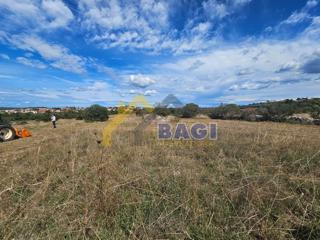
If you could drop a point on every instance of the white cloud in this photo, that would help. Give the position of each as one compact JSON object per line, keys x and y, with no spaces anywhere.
{"x":141,"y":81}
{"x":212,"y":69}
{"x":313,"y":31}
{"x":145,"y":93}
{"x":302,"y":15}
{"x":145,"y":25}
{"x":296,"y":17}
{"x":133,"y":91}
{"x":215,"y":9}
{"x":7,"y":76}
{"x":4,"y":56}
{"x":86,"y":92}
{"x":130,"y":25}
{"x":237,"y":68}
{"x":245,"y":71}
{"x":110,"y":72}
{"x":94,"y":86}
{"x":311,"y":3}
{"x":289,"y":66}
{"x":58,"y":56}
{"x":36,"y":15}
{"x":218,"y":10}
{"x":150,"y":92}
{"x":57,"y":11}
{"x":312,"y":64}
{"x":92,"y":91}
{"x":31,"y":62}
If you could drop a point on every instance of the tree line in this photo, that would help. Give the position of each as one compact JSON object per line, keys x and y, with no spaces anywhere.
{"x":92,"y":113}
{"x":278,"y":111}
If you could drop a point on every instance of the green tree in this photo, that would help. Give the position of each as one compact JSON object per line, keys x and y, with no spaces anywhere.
{"x":162,"y":111}
{"x":264,"y":112}
{"x":190,"y":110}
{"x":229,"y":111}
{"x":96,"y":113}
{"x":232,"y":111}
{"x":316,"y":113}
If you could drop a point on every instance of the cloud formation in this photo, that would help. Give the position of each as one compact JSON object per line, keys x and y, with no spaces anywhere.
{"x":141,"y":81}
{"x":46,"y":14}
{"x":31,"y":62}
{"x":205,"y":51}
{"x":4,"y":56}
{"x":57,"y":56}
{"x":312,"y":66}
{"x":145,"y":24}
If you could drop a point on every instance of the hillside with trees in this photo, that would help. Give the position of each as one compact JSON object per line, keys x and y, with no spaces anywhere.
{"x":301,"y":110}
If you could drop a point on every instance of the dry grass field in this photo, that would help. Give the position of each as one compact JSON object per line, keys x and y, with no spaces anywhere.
{"x":257,"y":181}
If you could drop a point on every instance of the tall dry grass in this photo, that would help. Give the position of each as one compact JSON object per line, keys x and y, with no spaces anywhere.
{"x":258,"y":181}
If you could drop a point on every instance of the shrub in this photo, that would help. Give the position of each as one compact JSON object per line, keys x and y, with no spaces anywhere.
{"x":3,"y":119}
{"x":230,"y":111}
{"x":316,"y":111}
{"x":143,"y":111}
{"x":190,"y":110}
{"x":315,"y":115}
{"x":161,"y":111}
{"x":96,"y":113}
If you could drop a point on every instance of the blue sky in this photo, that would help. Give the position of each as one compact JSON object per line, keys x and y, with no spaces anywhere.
{"x":68,"y":52}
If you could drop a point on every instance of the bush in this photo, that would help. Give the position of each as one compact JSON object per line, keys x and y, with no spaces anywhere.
{"x":161,"y":111}
{"x":70,"y":114}
{"x":2,"y":119}
{"x":230,"y":111}
{"x":143,"y":111}
{"x":315,"y":115}
{"x":190,"y":110}
{"x":96,"y":113}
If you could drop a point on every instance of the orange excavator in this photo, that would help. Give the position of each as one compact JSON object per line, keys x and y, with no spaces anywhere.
{"x":8,"y":133}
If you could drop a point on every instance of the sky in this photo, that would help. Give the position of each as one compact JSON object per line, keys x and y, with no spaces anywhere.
{"x":82,"y":52}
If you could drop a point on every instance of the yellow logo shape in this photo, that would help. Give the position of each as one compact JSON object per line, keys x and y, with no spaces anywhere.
{"x":123,"y":114}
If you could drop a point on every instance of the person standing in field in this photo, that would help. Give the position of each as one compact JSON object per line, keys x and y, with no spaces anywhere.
{"x":53,"y":120}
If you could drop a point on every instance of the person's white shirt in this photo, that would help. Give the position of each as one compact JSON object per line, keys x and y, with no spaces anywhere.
{"x":53,"y":118}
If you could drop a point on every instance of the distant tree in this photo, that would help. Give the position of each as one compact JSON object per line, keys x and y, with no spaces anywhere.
{"x":125,"y":109}
{"x":316,"y":113}
{"x":216,"y":113}
{"x":190,"y":110}
{"x":162,"y":111}
{"x":96,"y":113}
{"x":45,"y":117}
{"x":264,"y":112}
{"x":139,"y":112}
{"x":4,"y":118}
{"x":232,"y":111}
{"x":248,"y":114}
{"x":70,"y":114}
{"x":229,"y":111}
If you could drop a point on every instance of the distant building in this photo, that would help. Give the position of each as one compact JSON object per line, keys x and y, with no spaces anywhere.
{"x":10,"y":111}
{"x":56,"y":110}
{"x":28,"y":110}
{"x":42,"y":110}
